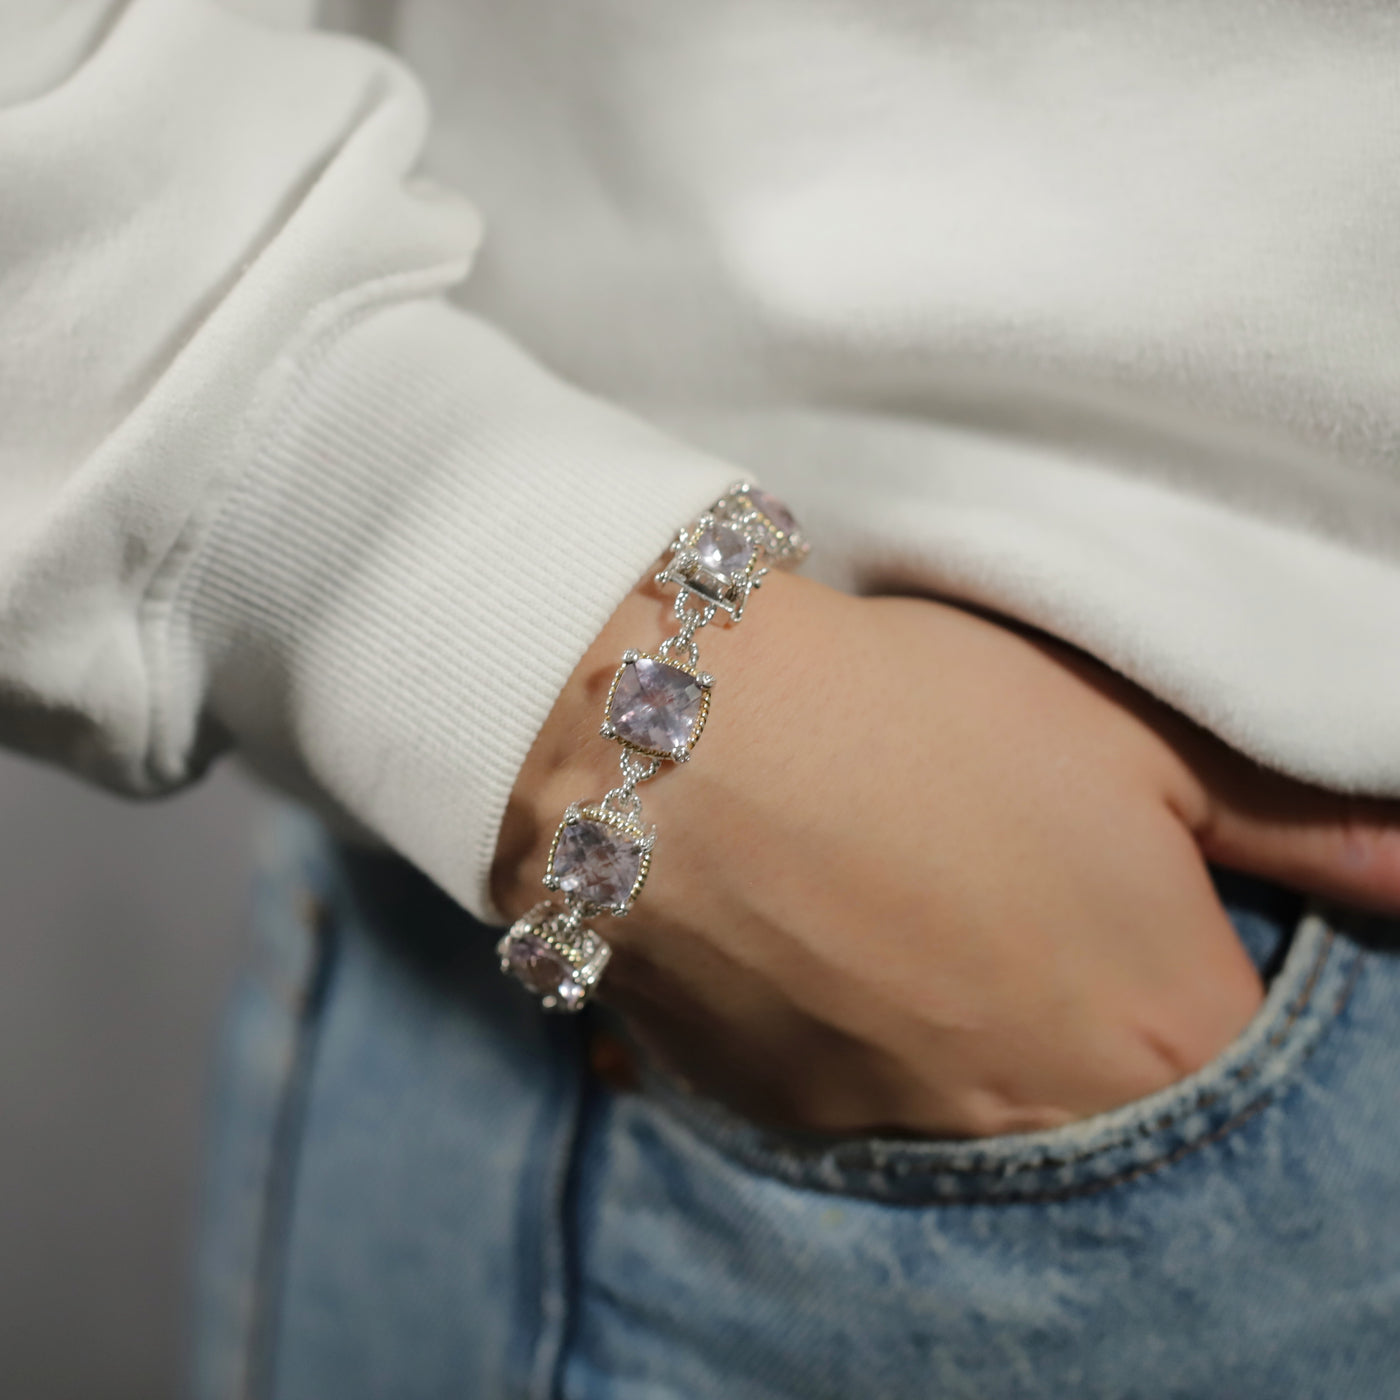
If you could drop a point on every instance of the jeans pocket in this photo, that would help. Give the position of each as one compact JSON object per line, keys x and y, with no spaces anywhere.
{"x":1309,"y":988}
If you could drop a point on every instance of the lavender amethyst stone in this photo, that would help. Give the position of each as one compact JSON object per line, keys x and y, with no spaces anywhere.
{"x":724,"y":551}
{"x":779,"y":516}
{"x":655,"y":705}
{"x":597,"y":862}
{"x":541,"y":969}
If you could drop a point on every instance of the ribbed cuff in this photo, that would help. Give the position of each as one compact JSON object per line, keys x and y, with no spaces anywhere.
{"x":390,"y":601}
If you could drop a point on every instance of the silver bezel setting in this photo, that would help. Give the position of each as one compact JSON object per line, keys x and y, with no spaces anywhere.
{"x":702,"y":678}
{"x":687,"y":572}
{"x":574,"y":944}
{"x":786,"y":548}
{"x":619,"y":822}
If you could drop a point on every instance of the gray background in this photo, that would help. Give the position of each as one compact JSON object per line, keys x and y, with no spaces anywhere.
{"x":121,"y":926}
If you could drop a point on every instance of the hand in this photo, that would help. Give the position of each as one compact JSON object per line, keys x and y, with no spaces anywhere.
{"x":927,"y":873}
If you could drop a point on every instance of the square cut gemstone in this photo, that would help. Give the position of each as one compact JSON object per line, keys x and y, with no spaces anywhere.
{"x":656,"y":705}
{"x":543,"y":970}
{"x":779,"y":516}
{"x":596,"y":861}
{"x":724,"y":551}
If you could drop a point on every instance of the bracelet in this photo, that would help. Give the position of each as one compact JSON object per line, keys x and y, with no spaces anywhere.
{"x":656,"y":710}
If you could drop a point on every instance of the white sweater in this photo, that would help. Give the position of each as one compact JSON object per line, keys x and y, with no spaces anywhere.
{"x":334,"y":430}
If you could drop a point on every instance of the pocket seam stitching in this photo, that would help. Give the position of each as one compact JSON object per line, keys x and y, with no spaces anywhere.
{"x":1205,"y":1097}
{"x":1202,"y":1099}
{"x":1182,"y":1150}
{"x":790,"y":1170}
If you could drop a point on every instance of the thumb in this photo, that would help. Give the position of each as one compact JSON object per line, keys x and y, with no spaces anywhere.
{"x":1259,"y":821}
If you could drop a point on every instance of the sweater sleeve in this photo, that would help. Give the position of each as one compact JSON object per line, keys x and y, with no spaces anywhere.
{"x":261,"y":484}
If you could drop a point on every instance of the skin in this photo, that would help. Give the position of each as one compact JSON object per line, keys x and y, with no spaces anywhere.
{"x":979,"y":906}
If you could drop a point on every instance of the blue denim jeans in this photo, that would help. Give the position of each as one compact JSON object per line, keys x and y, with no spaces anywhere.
{"x":418,"y":1187}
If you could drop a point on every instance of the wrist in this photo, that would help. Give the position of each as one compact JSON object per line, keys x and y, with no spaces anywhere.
{"x":655,"y":712}
{"x":569,"y":760}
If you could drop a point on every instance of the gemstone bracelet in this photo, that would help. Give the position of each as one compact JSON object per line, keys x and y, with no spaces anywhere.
{"x":656,"y":710}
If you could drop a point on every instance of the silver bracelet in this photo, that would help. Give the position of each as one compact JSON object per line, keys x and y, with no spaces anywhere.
{"x":656,"y":710}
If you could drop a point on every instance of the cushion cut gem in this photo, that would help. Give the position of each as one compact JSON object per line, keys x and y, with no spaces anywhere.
{"x":655,"y":705}
{"x":779,"y":516}
{"x":597,"y":862}
{"x":542,"y":970}
{"x":724,"y":551}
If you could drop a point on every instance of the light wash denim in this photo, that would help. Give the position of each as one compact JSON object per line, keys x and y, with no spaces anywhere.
{"x":419,"y":1189}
